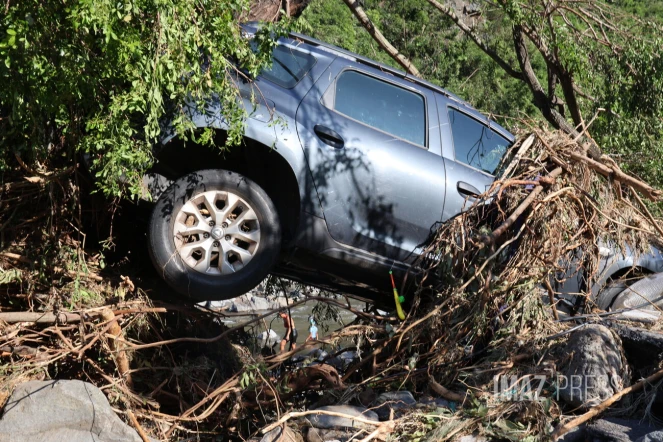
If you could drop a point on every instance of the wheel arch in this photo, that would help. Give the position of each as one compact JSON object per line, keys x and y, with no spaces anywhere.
{"x":271,"y":167}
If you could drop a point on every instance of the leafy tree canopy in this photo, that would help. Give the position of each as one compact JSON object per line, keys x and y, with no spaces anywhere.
{"x":586,"y":58}
{"x":97,"y":76}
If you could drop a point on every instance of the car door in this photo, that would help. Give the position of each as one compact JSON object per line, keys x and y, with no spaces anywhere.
{"x":473,"y":148}
{"x":373,"y":148}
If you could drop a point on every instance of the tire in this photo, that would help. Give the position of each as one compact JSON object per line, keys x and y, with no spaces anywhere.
{"x":205,"y":261}
{"x":609,"y":293}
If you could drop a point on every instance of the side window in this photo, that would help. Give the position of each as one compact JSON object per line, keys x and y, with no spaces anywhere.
{"x":381,"y":105}
{"x":288,"y":67}
{"x":476,"y":144}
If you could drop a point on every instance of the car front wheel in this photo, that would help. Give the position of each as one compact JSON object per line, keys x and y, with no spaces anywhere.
{"x":214,"y":235}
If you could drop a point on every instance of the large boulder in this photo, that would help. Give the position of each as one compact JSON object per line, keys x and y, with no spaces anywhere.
{"x":54,"y":411}
{"x":594,"y":369}
{"x":326,"y":421}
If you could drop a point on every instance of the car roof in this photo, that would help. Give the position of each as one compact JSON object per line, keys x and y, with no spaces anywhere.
{"x":297,"y":38}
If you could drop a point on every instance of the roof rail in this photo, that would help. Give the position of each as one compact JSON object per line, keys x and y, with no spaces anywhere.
{"x":374,"y":64}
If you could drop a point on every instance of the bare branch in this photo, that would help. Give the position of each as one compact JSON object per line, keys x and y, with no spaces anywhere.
{"x":380,"y":39}
{"x":446,"y":10}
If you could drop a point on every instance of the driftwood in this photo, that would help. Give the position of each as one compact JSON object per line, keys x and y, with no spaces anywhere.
{"x":293,"y":414}
{"x":116,"y":345}
{"x":39,"y":318}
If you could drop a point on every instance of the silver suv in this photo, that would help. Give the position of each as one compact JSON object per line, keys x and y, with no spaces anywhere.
{"x":346,"y":166}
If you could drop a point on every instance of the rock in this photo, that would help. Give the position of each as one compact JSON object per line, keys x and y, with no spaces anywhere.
{"x":435,"y":402}
{"x":268,"y":340}
{"x":392,"y":400}
{"x":343,"y":360}
{"x":282,"y":434}
{"x":54,"y":411}
{"x":595,"y":370}
{"x":641,"y":345}
{"x":325,"y":421}
{"x":320,"y":435}
{"x":367,"y":397}
{"x":249,"y":302}
{"x":613,"y":430}
{"x":471,"y":438}
{"x":616,"y":430}
{"x":655,"y":436}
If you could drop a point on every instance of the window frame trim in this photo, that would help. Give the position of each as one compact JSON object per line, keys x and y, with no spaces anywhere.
{"x":332,"y":86}
{"x":453,"y":144}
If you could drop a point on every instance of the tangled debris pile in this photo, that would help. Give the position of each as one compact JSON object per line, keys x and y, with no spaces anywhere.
{"x":482,"y":313}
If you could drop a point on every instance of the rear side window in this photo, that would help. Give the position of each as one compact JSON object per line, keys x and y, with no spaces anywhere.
{"x":476,"y":144}
{"x":288,"y":67}
{"x":381,"y":105}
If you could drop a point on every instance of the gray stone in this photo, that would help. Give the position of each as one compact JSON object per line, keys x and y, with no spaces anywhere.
{"x":251,"y":302}
{"x":595,"y":370}
{"x":54,"y":411}
{"x":282,"y":434}
{"x":321,"y":435}
{"x":614,"y":430}
{"x":268,"y":340}
{"x":643,"y":347}
{"x":617,"y":430}
{"x":392,"y":400}
{"x":328,"y":422}
{"x":471,"y":438}
{"x":655,"y":436}
{"x":435,"y":402}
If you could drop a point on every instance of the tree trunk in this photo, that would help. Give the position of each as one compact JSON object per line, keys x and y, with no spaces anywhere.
{"x":540,"y":98}
{"x":379,"y":38}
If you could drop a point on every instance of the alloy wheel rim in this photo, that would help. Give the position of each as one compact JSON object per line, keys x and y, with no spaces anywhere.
{"x":216,"y":233}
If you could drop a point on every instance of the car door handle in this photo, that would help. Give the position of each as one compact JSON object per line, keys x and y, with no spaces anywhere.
{"x":329,"y":137}
{"x":466,"y":189}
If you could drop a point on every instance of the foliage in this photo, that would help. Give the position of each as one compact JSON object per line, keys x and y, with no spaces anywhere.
{"x":615,"y":67}
{"x":98,"y":76}
{"x":431,"y":42}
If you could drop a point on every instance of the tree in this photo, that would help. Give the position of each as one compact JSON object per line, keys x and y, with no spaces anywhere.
{"x":579,"y":61}
{"x":98,"y":76}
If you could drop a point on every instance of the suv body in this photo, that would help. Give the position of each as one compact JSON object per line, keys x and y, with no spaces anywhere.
{"x":361,"y":160}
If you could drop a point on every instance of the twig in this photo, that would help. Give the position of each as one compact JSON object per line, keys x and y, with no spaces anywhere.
{"x":563,"y":429}
{"x":648,"y":213}
{"x":446,"y":393}
{"x":39,"y":318}
{"x":286,"y":417}
{"x":614,"y":173}
{"x":519,"y":210}
{"x":137,"y":426}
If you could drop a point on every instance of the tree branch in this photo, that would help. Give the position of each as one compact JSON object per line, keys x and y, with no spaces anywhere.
{"x":529,"y":77}
{"x":380,"y":39}
{"x":448,"y":11}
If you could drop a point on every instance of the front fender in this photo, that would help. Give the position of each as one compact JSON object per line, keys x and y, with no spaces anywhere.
{"x":264,"y":125}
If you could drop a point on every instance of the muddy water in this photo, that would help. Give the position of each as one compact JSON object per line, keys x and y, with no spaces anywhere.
{"x":300,"y":314}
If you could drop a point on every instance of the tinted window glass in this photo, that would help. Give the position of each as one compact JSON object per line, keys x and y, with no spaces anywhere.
{"x":475,"y":144}
{"x":381,"y":105}
{"x":288,"y":67}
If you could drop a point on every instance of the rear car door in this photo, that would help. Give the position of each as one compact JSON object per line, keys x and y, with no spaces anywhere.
{"x":473,"y":148}
{"x":373,"y":148}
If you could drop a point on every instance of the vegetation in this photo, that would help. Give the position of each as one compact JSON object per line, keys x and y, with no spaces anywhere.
{"x":96,"y":77}
{"x":581,"y":66}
